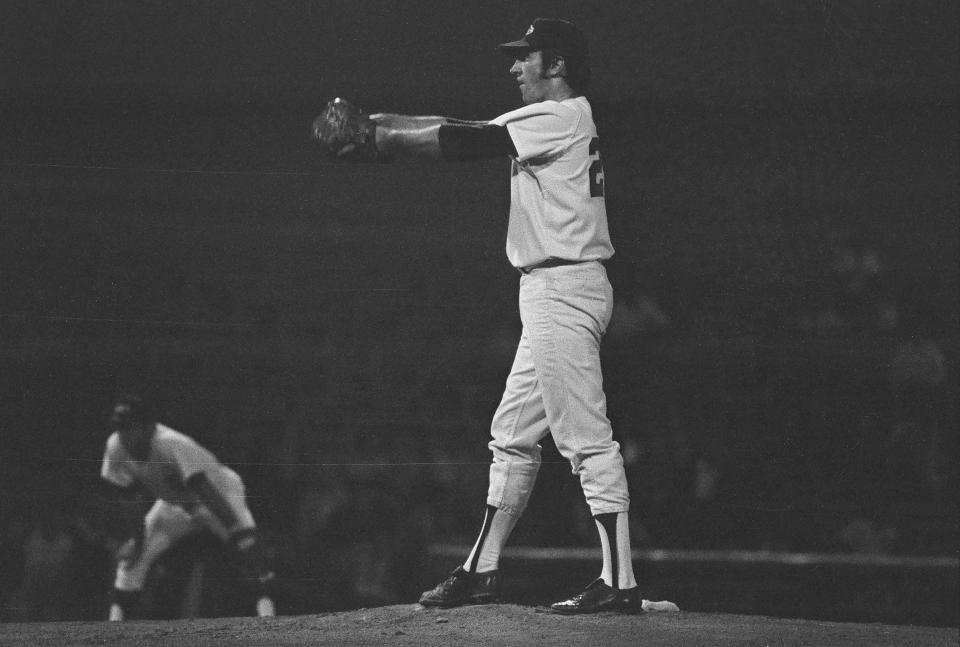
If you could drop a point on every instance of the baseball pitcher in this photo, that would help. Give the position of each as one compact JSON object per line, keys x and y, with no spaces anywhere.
{"x":557,"y":237}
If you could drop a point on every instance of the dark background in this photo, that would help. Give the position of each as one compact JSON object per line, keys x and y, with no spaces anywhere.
{"x":781,"y":368}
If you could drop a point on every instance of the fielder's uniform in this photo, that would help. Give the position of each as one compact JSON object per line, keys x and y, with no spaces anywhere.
{"x":558,"y":238}
{"x":177,"y":512}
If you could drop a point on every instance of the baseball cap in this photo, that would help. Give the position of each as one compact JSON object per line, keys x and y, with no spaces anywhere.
{"x":128,"y":410}
{"x":550,"y":33}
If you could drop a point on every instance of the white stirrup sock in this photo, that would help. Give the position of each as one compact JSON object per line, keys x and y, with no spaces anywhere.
{"x":614,"y":529}
{"x":485,"y":556}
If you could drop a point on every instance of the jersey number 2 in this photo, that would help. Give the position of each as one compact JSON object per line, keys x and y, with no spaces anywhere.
{"x":596,"y":169}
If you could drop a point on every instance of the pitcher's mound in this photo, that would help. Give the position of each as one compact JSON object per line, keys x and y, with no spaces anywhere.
{"x":497,"y":624}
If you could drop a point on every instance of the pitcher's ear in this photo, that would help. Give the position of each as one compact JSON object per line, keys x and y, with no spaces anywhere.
{"x":558,"y":67}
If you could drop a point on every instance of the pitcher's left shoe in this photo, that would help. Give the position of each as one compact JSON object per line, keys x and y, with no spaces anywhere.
{"x":599,"y":596}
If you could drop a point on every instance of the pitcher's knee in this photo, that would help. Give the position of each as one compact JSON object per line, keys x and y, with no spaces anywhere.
{"x":513,"y":452}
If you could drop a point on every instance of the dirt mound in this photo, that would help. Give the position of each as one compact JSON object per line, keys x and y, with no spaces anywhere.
{"x":503,"y":624}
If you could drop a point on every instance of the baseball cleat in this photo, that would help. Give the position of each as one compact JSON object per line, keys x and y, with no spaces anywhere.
{"x":463,"y":587}
{"x":599,"y":596}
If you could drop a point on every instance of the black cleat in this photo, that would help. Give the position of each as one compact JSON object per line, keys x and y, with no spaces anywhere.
{"x":463,"y":587}
{"x":598,"y":596}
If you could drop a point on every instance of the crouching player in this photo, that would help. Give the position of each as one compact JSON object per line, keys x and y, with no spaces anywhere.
{"x":191,"y":491}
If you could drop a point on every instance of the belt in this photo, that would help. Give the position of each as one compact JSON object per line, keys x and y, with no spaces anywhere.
{"x":550,"y":262}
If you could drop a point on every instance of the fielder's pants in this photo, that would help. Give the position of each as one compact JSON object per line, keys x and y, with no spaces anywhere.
{"x":166,"y":523}
{"x":556,"y":387}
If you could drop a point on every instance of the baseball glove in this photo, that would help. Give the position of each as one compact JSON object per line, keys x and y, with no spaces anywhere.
{"x":346,"y":132}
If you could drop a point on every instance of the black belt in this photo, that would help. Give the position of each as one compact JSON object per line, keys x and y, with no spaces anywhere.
{"x":550,"y":262}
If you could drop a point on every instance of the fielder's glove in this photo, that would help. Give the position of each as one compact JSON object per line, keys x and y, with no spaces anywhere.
{"x":345,"y":131}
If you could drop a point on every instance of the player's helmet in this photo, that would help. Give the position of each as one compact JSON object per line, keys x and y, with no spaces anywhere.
{"x":127,"y":411}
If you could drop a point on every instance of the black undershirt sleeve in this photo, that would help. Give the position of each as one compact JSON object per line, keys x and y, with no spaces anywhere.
{"x":462,"y":142}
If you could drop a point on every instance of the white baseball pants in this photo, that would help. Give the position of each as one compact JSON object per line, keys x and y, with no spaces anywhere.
{"x":165,"y":524}
{"x":556,"y":386}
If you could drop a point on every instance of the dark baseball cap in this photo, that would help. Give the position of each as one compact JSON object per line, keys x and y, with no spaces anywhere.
{"x":128,"y":410}
{"x":550,"y":33}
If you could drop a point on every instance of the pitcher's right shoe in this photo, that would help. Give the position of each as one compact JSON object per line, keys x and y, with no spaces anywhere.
{"x":463,"y":587}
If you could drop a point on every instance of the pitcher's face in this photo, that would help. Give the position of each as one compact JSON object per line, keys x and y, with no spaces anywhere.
{"x":528,"y":70}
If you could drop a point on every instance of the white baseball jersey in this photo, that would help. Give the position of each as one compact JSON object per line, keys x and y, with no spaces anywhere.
{"x":174,"y":457}
{"x":557,"y":208}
